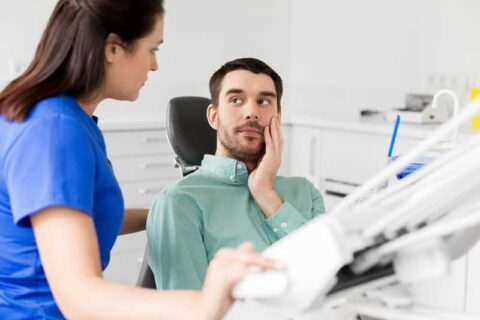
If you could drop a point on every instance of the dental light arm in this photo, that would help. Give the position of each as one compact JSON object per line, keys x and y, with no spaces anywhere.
{"x":425,"y":220}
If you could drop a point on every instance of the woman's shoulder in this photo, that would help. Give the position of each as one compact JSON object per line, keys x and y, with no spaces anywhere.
{"x":60,"y":114}
{"x":52,"y":121}
{"x":51,"y":107}
{"x":47,"y":114}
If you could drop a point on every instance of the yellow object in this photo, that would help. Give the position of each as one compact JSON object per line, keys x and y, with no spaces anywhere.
{"x":474,"y":93}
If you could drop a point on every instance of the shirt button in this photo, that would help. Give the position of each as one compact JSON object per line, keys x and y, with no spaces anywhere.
{"x":283,"y":225}
{"x":275,"y":230}
{"x":239,"y":166}
{"x":232,"y":178}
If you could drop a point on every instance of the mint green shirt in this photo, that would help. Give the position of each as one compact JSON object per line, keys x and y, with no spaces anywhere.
{"x":213,"y":208}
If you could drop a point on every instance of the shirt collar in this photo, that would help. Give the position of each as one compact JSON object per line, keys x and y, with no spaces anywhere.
{"x":79,"y":110}
{"x":229,"y":169}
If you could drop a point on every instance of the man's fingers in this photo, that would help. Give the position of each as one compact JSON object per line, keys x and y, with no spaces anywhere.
{"x":280,"y":133}
{"x":281,"y":140}
{"x":269,"y":148}
{"x":274,"y":134}
{"x":280,"y":129}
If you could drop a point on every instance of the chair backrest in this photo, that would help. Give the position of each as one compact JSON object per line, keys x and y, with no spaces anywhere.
{"x":190,"y":137}
{"x":146,"y":278}
{"x":188,"y":131}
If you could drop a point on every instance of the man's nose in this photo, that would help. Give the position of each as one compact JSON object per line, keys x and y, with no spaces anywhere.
{"x":251,"y":111}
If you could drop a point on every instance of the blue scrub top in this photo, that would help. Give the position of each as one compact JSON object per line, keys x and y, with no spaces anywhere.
{"x":56,"y":157}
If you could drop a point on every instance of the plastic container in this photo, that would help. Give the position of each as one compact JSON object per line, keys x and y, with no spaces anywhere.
{"x":474,"y":93}
{"x":413,"y":166}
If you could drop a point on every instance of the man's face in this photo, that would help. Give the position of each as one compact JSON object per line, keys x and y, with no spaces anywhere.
{"x":246,"y":104}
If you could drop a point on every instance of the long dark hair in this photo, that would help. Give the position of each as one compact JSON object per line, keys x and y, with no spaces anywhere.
{"x":70,"y":58}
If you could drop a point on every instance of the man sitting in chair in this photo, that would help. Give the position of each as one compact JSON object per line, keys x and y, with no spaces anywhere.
{"x":236,"y":194}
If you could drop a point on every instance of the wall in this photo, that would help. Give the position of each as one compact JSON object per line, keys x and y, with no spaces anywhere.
{"x":202,"y":35}
{"x":348,"y":54}
{"x":335,"y":56}
{"x":21,"y":25}
{"x":199,"y":37}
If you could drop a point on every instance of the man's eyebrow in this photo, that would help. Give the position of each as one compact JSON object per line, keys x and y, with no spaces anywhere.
{"x":160,"y":42}
{"x":234,"y":91}
{"x":268,"y":94}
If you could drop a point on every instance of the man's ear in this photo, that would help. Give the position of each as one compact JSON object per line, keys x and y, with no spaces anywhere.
{"x":212,"y":116}
{"x":113,"y":47}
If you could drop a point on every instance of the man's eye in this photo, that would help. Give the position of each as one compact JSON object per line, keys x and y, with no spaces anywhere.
{"x":263,"y":101}
{"x":236,"y":100}
{"x":154,"y":50}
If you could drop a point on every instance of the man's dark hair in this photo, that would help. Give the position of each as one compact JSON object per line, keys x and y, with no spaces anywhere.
{"x":250,"y":64}
{"x":70,"y":58}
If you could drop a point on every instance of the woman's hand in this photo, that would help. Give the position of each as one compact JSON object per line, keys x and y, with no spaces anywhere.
{"x":227,"y":268}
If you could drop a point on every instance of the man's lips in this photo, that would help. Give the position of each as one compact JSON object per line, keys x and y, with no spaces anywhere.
{"x":251,"y":132}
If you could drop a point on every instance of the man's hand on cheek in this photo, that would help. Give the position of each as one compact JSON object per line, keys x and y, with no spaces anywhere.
{"x":260,"y":181}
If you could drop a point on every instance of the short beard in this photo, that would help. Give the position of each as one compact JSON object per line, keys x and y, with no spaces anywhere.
{"x":230,"y":143}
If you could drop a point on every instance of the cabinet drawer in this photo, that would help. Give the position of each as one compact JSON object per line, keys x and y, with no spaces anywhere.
{"x":130,"y":242}
{"x":354,"y":156}
{"x":305,"y":151}
{"x":144,"y":168}
{"x":141,"y":194}
{"x":124,"y":267}
{"x":145,"y":142}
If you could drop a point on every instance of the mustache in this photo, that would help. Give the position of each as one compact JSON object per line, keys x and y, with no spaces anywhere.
{"x":250,"y":124}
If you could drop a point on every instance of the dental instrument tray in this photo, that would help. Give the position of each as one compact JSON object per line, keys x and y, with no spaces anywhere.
{"x":418,"y":109}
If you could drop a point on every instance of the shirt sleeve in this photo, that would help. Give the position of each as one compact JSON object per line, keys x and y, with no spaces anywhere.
{"x":178,"y":257}
{"x":287,"y":219}
{"x":51,"y":164}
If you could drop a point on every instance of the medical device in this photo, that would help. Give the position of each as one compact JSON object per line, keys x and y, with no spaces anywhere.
{"x":360,"y":257}
{"x":423,"y":109}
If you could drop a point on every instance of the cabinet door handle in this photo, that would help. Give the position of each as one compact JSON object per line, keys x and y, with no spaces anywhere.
{"x":149,"y":190}
{"x":153,"y":165}
{"x":152,"y":140}
{"x":313,"y":155}
{"x":336,"y":194}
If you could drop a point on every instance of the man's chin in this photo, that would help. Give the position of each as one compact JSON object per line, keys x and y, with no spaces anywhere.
{"x":245,"y":149}
{"x":250,"y":154}
{"x":252,"y":150}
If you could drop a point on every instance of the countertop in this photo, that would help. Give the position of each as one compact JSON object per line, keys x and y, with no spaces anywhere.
{"x":373,"y":124}
{"x":130,"y":124}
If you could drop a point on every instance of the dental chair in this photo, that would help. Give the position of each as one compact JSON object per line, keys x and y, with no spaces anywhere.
{"x":189,"y":133}
{"x":191,"y":137}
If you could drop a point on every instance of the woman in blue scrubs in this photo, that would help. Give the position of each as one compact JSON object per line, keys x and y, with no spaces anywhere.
{"x":61,"y":207}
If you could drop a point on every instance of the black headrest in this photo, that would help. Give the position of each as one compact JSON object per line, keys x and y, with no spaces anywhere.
{"x":188,"y":130}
